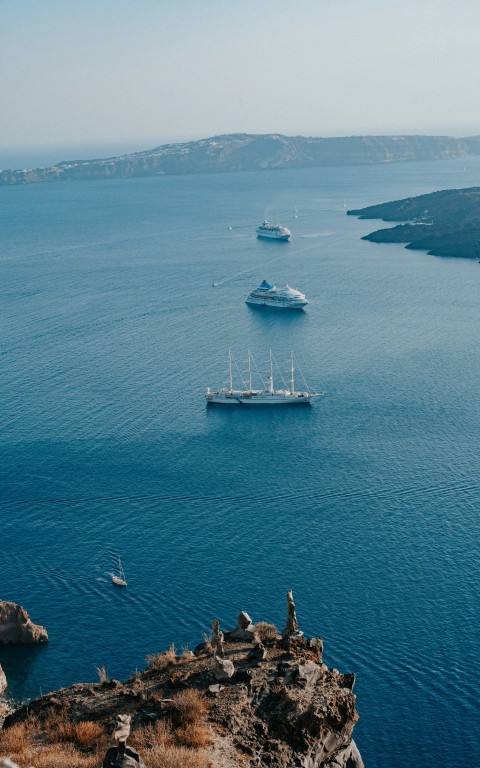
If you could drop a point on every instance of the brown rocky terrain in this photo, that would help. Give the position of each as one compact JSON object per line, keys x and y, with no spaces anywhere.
{"x":248,"y":699}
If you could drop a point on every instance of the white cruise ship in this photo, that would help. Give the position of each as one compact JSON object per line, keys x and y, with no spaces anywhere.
{"x":267,"y":395}
{"x":273,"y":231}
{"x":279,"y":298}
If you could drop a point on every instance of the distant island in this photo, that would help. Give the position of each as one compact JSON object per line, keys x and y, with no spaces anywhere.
{"x":445,"y":223}
{"x":248,"y":152}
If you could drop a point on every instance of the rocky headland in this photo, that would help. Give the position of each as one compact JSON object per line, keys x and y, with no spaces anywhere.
{"x":17,"y":627}
{"x":445,"y":223}
{"x":246,"y":152}
{"x":244,"y":698}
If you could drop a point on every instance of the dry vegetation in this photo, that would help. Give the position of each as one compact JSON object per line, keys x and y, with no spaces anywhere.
{"x":161,"y":660}
{"x":177,"y":741}
{"x":266,"y":632}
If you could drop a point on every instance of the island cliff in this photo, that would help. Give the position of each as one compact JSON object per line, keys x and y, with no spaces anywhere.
{"x":17,"y":627}
{"x":445,"y":223}
{"x":244,"y":698}
{"x":246,"y":152}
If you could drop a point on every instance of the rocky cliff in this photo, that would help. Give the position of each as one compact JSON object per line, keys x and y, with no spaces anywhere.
{"x":244,"y":152}
{"x":445,"y":223}
{"x":250,"y":697}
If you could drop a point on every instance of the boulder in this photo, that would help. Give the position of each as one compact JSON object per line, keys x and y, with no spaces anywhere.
{"x":244,"y":629}
{"x":16,"y":626}
{"x":223,"y":669}
{"x":128,"y":759}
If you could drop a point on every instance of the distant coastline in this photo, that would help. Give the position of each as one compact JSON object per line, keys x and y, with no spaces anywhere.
{"x":445,"y":223}
{"x":244,"y":152}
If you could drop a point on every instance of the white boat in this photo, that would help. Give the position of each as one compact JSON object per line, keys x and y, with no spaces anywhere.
{"x":280,"y":298}
{"x":119,"y":578}
{"x":267,"y":395}
{"x":273,"y":231}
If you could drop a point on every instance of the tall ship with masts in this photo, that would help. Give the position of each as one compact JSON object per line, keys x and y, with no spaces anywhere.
{"x":267,"y":395}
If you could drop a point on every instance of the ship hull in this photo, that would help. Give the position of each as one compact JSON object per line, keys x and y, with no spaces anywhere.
{"x":252,"y":402}
{"x":272,"y":236}
{"x":277,"y":304}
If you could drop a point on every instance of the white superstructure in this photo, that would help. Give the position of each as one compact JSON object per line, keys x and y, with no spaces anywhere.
{"x":273,"y":231}
{"x":268,"y":395}
{"x":279,"y":298}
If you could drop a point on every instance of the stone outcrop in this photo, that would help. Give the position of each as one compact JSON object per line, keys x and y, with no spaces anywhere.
{"x":17,"y":627}
{"x":3,"y":680}
{"x":280,"y":706}
{"x":247,"y":152}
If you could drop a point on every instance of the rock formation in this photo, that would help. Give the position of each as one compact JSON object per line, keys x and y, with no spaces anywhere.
{"x":16,"y":626}
{"x":122,"y":756}
{"x":244,"y":629}
{"x":3,"y":680}
{"x":277,"y":705}
{"x":217,"y":639}
{"x":445,"y":223}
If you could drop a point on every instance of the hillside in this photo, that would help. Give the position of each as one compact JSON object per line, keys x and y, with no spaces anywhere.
{"x":445,"y":223}
{"x":245,"y":152}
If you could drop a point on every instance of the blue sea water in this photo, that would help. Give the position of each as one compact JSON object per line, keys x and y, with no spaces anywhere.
{"x":365,"y":504}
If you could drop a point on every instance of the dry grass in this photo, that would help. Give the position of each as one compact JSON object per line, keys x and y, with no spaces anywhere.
{"x":61,"y":756}
{"x":189,"y":707}
{"x":161,"y":660}
{"x":157,"y":734}
{"x":103,"y":675}
{"x":88,"y":734}
{"x":207,"y":642}
{"x":194,"y":736}
{"x":266,"y":632}
{"x":175,"y":757}
{"x":14,"y":740}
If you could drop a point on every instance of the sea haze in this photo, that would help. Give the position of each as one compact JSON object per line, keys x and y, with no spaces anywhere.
{"x":365,"y":504}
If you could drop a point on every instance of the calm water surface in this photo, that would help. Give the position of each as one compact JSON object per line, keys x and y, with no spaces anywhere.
{"x":366,"y":504}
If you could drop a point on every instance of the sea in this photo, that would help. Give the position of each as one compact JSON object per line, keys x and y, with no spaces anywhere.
{"x":119,"y":303}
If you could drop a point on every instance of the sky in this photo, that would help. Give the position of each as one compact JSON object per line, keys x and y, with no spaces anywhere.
{"x":126,"y":75}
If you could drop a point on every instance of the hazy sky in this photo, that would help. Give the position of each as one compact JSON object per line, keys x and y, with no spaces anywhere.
{"x":137,"y":73}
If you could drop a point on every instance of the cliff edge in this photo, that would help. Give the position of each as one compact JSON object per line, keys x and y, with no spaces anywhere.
{"x":247,"y":698}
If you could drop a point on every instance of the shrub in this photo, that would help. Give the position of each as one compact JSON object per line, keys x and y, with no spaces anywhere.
{"x":14,"y":740}
{"x":189,"y":707}
{"x":266,"y":632}
{"x":88,"y":734}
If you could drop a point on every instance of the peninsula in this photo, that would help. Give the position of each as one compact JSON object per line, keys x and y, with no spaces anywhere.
{"x":246,"y":698}
{"x":445,"y":223}
{"x":247,"y":152}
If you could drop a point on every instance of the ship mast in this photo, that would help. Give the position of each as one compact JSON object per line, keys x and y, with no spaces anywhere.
{"x":270,"y":387}
{"x":230,"y":380}
{"x":292,"y":382}
{"x":249,"y":371}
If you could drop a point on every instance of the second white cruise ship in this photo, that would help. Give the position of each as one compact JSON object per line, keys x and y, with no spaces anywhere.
{"x":279,"y":298}
{"x":273,"y":231}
